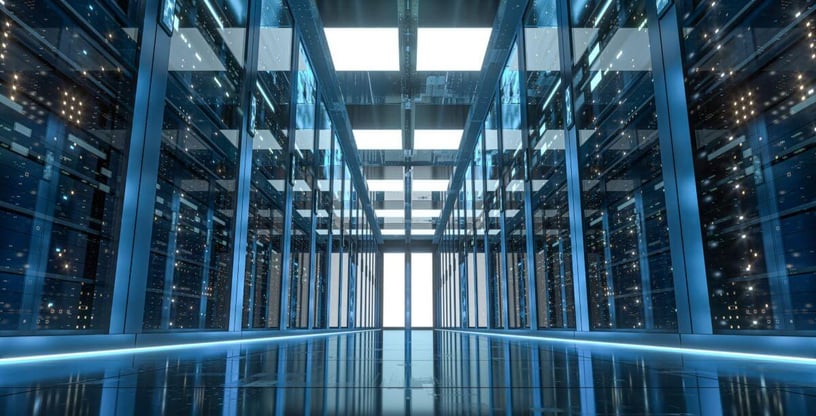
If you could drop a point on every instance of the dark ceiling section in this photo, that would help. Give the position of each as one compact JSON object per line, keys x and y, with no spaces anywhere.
{"x":375,"y":116}
{"x":435,"y":116}
{"x":457,"y":13}
{"x":358,"y":13}
{"x":375,"y":87}
{"x":446,"y":87}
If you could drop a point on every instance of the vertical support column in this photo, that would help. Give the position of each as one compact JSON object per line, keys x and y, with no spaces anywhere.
{"x":464,"y":304}
{"x":244,"y":179}
{"x":311,"y":292}
{"x":500,"y":196}
{"x":489,"y":295}
{"x":408,"y":177}
{"x":130,"y":284}
{"x":286,"y":255}
{"x":473,"y":249}
{"x":573,"y":172}
{"x":342,"y":246}
{"x":677,"y":157}
{"x":408,"y":125}
{"x":326,"y":311}
{"x":532,"y":308}
{"x":354,"y":250}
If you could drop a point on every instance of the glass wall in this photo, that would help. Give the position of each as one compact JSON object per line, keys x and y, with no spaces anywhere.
{"x":214,"y":132}
{"x":628,"y":263}
{"x":747,"y":72}
{"x":191,"y":258}
{"x":323,"y":218}
{"x":555,"y":296}
{"x":750,"y":83}
{"x":303,"y":198}
{"x":272,"y":95}
{"x":493,"y":216}
{"x":67,"y":85}
{"x":514,"y":172}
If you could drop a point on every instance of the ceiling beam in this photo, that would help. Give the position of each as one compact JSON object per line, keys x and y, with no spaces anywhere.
{"x":308,"y":22}
{"x":505,"y":26}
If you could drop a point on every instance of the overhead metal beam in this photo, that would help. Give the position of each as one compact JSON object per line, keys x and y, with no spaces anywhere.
{"x":505,"y":27}
{"x":308,"y":22}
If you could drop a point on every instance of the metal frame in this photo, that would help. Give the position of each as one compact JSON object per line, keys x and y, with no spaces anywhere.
{"x":130,"y":282}
{"x":244,"y":177}
{"x":677,"y":156}
{"x":574,"y":189}
{"x":532,"y":300}
{"x":310,"y":27}
{"x":508,"y":16}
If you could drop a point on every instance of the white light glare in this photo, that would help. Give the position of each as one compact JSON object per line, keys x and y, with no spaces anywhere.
{"x":378,"y":139}
{"x":451,"y":49}
{"x":429,"y":185}
{"x":364,"y":49}
{"x":657,"y":348}
{"x":417,"y":185}
{"x":437,"y":139}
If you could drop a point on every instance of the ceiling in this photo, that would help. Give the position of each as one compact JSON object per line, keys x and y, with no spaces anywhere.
{"x":405,"y":119}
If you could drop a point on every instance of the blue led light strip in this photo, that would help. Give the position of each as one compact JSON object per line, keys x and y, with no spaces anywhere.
{"x":657,"y":348}
{"x":159,"y":348}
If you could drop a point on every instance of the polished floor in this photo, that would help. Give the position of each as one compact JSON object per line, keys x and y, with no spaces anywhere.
{"x":374,"y":373}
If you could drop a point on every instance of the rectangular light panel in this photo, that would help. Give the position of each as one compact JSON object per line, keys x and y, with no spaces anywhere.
{"x":429,"y":185}
{"x":451,"y":49}
{"x":378,"y":139}
{"x":415,"y":213}
{"x":364,"y":49}
{"x":437,"y":139}
{"x":383,"y":185}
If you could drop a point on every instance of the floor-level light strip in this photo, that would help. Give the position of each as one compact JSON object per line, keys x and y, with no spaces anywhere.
{"x":160,"y":348}
{"x":654,"y":348}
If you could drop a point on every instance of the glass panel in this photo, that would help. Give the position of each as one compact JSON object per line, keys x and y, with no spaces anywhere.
{"x":751,"y":88}
{"x":629,"y":272}
{"x":303,"y":185}
{"x":67,"y":85}
{"x":480,"y":225}
{"x":338,"y":232}
{"x":270,"y":144}
{"x":545,"y":128}
{"x":513,"y":176}
{"x":191,"y":262}
{"x":493,"y":207}
{"x":468,"y":247}
{"x":324,"y":211}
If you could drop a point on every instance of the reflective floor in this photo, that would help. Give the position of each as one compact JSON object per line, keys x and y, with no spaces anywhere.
{"x":374,"y":373}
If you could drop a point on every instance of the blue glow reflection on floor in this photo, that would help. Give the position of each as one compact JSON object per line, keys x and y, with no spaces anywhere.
{"x":157,"y":348}
{"x":656,"y":348}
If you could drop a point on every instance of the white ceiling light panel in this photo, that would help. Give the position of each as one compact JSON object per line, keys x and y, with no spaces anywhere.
{"x":437,"y":139}
{"x":451,"y":49}
{"x":371,"y":139}
{"x":364,"y":49}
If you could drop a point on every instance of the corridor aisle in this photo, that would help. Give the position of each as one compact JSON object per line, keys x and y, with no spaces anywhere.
{"x":371,"y":373}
